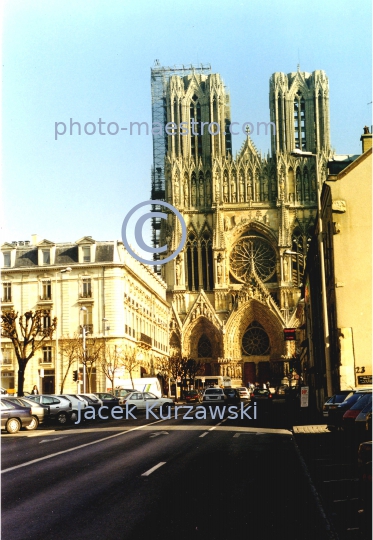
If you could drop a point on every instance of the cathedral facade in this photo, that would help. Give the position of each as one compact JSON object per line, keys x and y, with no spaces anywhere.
{"x":236,"y":285}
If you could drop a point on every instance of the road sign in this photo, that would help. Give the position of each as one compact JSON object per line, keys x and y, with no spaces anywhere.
{"x":304,"y":396}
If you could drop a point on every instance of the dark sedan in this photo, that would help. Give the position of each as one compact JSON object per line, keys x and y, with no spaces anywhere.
{"x":342,"y":395}
{"x":108,"y":399}
{"x":14,"y":416}
{"x":192,"y":395}
{"x":233,"y":395}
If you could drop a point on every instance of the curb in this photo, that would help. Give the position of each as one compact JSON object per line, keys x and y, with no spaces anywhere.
{"x":330,"y":533}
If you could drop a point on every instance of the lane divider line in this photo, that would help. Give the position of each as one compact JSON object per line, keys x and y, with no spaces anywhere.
{"x":203,"y":434}
{"x":76,"y":448}
{"x":147,"y":473}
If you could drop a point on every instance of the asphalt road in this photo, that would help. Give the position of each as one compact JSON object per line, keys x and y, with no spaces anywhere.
{"x":178,"y":478}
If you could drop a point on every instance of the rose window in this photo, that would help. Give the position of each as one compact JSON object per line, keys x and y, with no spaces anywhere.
{"x":252,"y":250}
{"x":255,"y":341}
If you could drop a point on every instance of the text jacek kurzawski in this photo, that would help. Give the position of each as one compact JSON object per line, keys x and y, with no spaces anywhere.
{"x":179,"y":411}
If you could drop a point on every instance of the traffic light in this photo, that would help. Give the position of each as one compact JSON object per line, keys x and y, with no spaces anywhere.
{"x":75,"y":375}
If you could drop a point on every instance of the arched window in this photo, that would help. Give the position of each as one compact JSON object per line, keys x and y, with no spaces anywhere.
{"x":192,"y":262}
{"x":204,"y":347}
{"x":207,"y":266}
{"x":298,"y":257}
{"x":299,"y":121}
{"x":255,"y":341}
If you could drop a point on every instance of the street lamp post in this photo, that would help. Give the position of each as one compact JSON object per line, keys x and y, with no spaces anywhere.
{"x":299,"y":153}
{"x":84,"y":309}
{"x":59,"y":326}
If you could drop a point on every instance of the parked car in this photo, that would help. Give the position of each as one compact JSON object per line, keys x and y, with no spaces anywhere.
{"x":244,"y":393}
{"x":108,"y":400}
{"x":337,"y":410}
{"x":261,"y":395}
{"x":77,"y":403}
{"x":192,"y":395}
{"x":121,"y":393}
{"x":363,"y":425}
{"x":233,"y":395}
{"x":93,"y":401}
{"x":140,"y":400}
{"x":214,"y":394}
{"x":60,"y":408}
{"x":349,"y":417}
{"x":335,"y":400}
{"x":14,"y":416}
{"x":39,"y":412}
{"x":3,"y":391}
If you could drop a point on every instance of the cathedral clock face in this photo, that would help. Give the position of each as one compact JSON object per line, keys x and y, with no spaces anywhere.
{"x":252,"y":250}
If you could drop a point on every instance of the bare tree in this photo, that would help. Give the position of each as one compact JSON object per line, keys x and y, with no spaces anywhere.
{"x":29,"y":335}
{"x":91,"y":356}
{"x":69,"y":348}
{"x":176,"y":368}
{"x":111,"y":363}
{"x":130,"y":362}
{"x":163,"y":367}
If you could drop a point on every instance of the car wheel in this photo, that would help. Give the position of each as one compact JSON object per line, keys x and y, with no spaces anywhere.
{"x":166,"y":406}
{"x":61,"y":418}
{"x":34,"y":424}
{"x":13,"y":425}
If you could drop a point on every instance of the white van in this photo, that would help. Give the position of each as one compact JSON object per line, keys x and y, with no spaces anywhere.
{"x":146,"y":384}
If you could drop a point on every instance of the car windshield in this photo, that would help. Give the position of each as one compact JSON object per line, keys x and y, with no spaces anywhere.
{"x":351,"y":400}
{"x":213,"y":391}
{"x":342,"y":397}
{"x":361,"y":403}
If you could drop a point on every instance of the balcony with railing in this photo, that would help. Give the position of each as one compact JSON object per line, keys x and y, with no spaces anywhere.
{"x":144,"y":341}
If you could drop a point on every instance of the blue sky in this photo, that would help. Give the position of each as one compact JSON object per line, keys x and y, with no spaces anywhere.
{"x":91,"y":59}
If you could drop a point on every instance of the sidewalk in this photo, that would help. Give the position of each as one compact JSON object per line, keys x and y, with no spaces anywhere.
{"x":333,"y":476}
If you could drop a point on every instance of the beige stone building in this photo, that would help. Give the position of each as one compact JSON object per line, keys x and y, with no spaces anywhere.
{"x":124,"y":304}
{"x":347,"y":214}
{"x":236,"y":285}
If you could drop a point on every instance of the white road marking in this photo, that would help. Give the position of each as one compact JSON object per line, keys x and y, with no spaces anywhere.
{"x":160,"y":433}
{"x":252,"y":433}
{"x":76,"y":448}
{"x":203,"y":434}
{"x":219,"y":424}
{"x":50,"y":440}
{"x":147,"y":473}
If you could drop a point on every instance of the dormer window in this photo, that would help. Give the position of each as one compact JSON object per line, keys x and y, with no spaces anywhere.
{"x":86,"y":254}
{"x":46,"y":253}
{"x":7,"y":260}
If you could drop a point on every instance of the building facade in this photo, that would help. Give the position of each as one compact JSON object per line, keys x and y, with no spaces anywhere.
{"x":235,"y":286}
{"x":87,"y":283}
{"x":346,"y":211}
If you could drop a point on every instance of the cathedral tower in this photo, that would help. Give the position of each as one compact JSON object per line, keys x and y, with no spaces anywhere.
{"x":235,"y":286}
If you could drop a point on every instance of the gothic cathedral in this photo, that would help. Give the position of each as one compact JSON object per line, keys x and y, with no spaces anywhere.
{"x":237,"y":283}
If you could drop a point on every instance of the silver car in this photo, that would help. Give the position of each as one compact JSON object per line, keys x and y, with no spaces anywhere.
{"x":214,"y":394}
{"x":39,"y":412}
{"x":140,"y":400}
{"x":60,"y":407}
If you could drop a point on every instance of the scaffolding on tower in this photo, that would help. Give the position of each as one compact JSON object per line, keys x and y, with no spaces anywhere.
{"x":159,"y":79}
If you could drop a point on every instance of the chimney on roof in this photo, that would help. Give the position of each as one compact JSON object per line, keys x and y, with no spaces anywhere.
{"x":35,"y":239}
{"x":366,"y":140}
